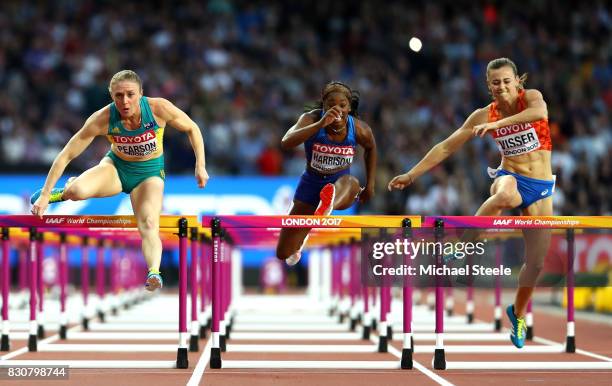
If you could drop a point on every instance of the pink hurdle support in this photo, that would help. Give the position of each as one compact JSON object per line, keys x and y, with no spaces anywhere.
{"x":209,"y":282}
{"x":222,"y":293}
{"x":32,"y":341}
{"x":85,"y":281}
{"x":383,"y":339}
{"x":335,"y":282}
{"x":498,"y":308}
{"x":389,"y":300}
{"x":115,"y":281}
{"x":570,"y":341}
{"x":203,"y":287}
{"x":227,"y":279}
{"x":365,"y":293}
{"x":215,"y":351}
{"x":193,"y":283}
{"x":408,"y":344}
{"x":344,"y":263}
{"x":100,"y":279}
{"x":182,"y":361}
{"x":40,"y":255}
{"x":6,"y":277}
{"x":223,"y":322}
{"x":63,"y":283}
{"x":439,"y":357}
{"x":354,"y":282}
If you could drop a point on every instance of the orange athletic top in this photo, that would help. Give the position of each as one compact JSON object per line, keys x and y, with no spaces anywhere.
{"x":520,"y":138}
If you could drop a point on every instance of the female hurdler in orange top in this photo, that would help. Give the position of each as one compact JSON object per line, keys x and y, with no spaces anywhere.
{"x":517,"y":119}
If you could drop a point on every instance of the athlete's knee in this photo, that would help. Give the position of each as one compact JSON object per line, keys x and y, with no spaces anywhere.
{"x":504,"y":199}
{"x":75,"y":192}
{"x":351,"y":181}
{"x":529,"y":274}
{"x":149,"y":223}
{"x":534,"y":265}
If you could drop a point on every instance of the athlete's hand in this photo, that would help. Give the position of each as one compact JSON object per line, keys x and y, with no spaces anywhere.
{"x":332,"y":115}
{"x":201,"y":176}
{"x":40,"y":206}
{"x":366,"y":194}
{"x":481,"y":130}
{"x":401,"y":182}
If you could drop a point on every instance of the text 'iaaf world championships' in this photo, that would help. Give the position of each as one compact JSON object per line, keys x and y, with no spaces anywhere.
{"x":406,"y":247}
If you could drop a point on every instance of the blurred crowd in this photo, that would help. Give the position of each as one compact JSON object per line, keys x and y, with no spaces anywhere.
{"x":244,"y":70}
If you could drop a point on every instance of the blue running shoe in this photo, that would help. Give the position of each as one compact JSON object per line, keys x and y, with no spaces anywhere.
{"x":56,"y":195}
{"x":154,"y":281}
{"x":519,"y":328}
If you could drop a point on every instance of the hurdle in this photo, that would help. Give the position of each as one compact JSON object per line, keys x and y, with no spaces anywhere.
{"x":570,"y":223}
{"x":6,"y":277}
{"x":410,"y":332}
{"x":178,"y":225}
{"x":234,"y":225}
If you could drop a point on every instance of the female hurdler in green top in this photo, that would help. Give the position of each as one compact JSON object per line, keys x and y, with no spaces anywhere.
{"x":134,"y":124}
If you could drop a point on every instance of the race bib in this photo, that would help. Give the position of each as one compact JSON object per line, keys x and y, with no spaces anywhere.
{"x":331,"y":158}
{"x":136,"y":145}
{"x":516,"y":139}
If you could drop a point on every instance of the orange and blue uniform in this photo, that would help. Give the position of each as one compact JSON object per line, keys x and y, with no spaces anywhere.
{"x":523,"y":138}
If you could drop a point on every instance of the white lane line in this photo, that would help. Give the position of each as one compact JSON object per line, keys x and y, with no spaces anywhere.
{"x":24,"y":350}
{"x":435,"y":377}
{"x":198,"y":372}
{"x":579,"y":351}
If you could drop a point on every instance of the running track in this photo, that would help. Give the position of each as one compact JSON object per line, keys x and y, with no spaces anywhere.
{"x":592,"y":337}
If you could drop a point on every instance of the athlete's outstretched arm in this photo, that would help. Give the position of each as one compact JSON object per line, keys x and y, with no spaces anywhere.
{"x":536,"y":110}
{"x":177,"y":118}
{"x":306,"y":127}
{"x":366,"y":139}
{"x":440,"y":151}
{"x":95,"y":125}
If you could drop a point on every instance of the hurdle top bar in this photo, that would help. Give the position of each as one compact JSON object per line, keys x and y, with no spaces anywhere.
{"x":76,"y":237}
{"x":312,"y":221}
{"x":520,"y":222}
{"x":53,"y":221}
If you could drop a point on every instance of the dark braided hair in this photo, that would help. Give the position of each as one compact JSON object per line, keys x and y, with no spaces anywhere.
{"x":337,"y":86}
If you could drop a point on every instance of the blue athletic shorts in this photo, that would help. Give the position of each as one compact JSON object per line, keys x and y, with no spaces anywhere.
{"x":310,"y":186}
{"x":530,"y":189}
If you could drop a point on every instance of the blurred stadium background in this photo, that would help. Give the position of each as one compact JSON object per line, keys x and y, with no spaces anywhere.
{"x":243,"y":70}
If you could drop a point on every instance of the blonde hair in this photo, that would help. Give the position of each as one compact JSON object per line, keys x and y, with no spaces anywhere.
{"x":125,"y":75}
{"x":498,"y":63}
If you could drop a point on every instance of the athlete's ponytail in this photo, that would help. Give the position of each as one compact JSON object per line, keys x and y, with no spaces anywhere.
{"x":354,"y":103}
{"x":523,"y":81}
